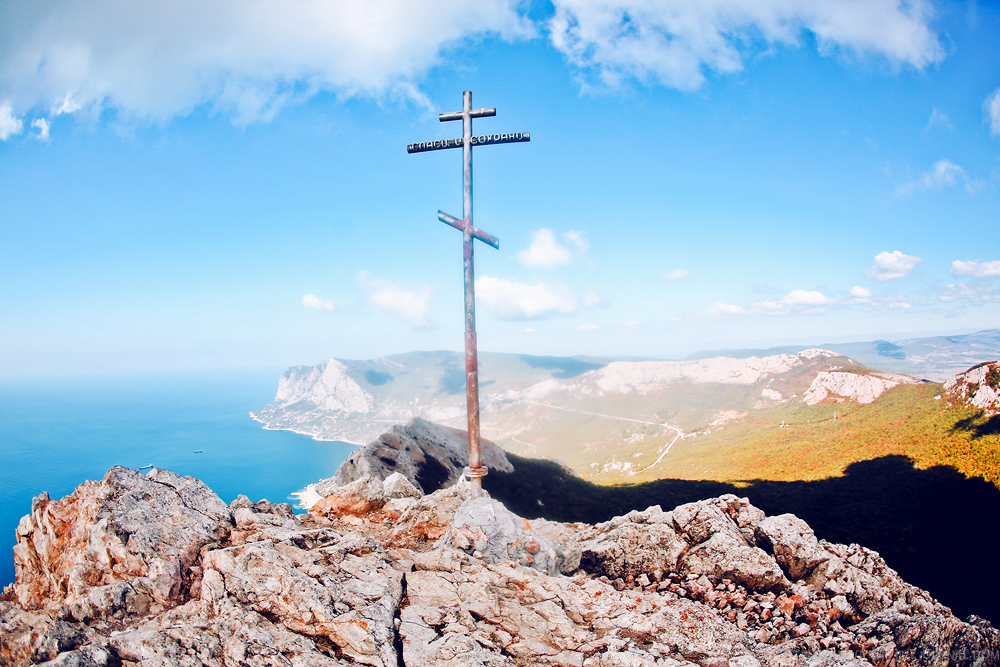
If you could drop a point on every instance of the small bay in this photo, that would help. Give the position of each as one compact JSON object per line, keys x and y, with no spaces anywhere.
{"x":57,"y":433}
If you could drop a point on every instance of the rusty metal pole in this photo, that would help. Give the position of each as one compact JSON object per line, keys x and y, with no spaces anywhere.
{"x":475,"y":470}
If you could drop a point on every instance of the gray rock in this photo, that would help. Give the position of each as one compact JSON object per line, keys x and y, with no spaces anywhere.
{"x":444,"y":580}
{"x":429,"y":455}
{"x":488,"y":530}
{"x":792,"y":543}
{"x":137,"y":534}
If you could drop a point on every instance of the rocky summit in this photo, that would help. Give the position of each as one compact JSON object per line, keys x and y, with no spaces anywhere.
{"x":156,"y":570}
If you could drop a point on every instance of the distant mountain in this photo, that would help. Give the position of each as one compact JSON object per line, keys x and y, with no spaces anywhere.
{"x":355,"y":401}
{"x":602,"y":417}
{"x":936,"y":358}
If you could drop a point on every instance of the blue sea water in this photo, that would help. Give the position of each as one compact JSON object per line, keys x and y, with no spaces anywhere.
{"x":55,"y":434}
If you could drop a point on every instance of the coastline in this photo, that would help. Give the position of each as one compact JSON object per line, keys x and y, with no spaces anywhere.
{"x":315,"y":436}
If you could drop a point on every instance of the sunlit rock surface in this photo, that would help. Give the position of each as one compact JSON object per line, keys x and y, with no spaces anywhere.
{"x":156,"y":570}
{"x":979,"y":387}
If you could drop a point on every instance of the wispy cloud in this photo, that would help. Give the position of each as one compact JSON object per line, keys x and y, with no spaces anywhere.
{"x":811,"y":302}
{"x":578,"y":239}
{"x":588,"y":327}
{"x":411,"y":303}
{"x":249,"y":60}
{"x":511,"y":300}
{"x":807,"y":301}
{"x":891,"y":265}
{"x":9,"y":124}
{"x":42,"y":126}
{"x":315,"y":303}
{"x":862,"y":296}
{"x":943,"y":174}
{"x":544,"y":251}
{"x":975,"y":268}
{"x":244,"y":59}
{"x":978,"y":294}
{"x":676,"y":274}
{"x":676,"y":44}
{"x":939,"y":118}
{"x":992,"y":108}
{"x":719,"y":308}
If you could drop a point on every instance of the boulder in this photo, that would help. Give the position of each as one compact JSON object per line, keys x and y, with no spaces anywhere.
{"x":428,"y":455}
{"x":120,"y":546}
{"x":488,"y":530}
{"x":364,"y":495}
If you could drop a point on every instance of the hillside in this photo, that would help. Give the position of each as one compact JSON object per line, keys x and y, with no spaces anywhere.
{"x":799,"y":416}
{"x":915,"y":420}
{"x":585,"y":409}
{"x":934,"y":357}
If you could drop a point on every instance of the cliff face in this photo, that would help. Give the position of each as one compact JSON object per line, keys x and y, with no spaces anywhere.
{"x":354,"y":400}
{"x":155,"y":570}
{"x":979,"y":387}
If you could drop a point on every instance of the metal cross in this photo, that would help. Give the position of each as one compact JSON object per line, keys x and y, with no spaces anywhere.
{"x":476,"y":470}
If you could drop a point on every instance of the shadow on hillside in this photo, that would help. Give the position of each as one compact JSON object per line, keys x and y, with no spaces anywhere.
{"x":935,"y":527}
{"x":978,"y":425}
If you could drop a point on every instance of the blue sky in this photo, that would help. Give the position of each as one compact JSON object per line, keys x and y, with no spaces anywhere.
{"x":226,"y":185}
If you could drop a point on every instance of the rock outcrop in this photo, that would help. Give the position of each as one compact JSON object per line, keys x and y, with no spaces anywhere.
{"x":429,"y":455}
{"x":156,"y":570}
{"x":979,"y":387}
{"x":844,"y":386}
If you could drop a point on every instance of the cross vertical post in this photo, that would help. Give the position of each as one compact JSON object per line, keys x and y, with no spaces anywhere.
{"x":475,"y":470}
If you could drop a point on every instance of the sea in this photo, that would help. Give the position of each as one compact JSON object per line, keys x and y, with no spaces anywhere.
{"x":57,"y":433}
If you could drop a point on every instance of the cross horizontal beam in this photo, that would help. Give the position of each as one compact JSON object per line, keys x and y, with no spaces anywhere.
{"x":484,"y":140}
{"x":474,"y":231}
{"x":460,"y":115}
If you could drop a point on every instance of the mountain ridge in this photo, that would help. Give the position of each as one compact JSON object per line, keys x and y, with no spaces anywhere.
{"x":932,"y":357}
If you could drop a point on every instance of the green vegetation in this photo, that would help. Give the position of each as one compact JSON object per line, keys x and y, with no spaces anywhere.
{"x":907,"y":420}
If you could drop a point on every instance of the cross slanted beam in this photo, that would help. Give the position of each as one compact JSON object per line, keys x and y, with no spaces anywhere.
{"x":476,"y":470}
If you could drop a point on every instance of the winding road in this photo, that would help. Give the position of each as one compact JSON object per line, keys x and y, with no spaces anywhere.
{"x":666,"y":450}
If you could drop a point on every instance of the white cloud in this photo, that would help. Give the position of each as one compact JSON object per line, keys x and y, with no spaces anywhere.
{"x":544,"y":251}
{"x":588,"y":327}
{"x":810,"y":302}
{"x":42,"y":126}
{"x":511,"y":300}
{"x":157,"y":60}
{"x":578,"y":239}
{"x":719,"y":308}
{"x":859,"y":292}
{"x":891,"y":265}
{"x":975,"y":268}
{"x":9,"y":125}
{"x":675,"y":43}
{"x":939,"y":118}
{"x":992,"y":108}
{"x":799,"y":301}
{"x":945,"y":173}
{"x":880,"y":303}
{"x":977,"y":295}
{"x":408,"y":302}
{"x":676,"y":274}
{"x":316,"y":303}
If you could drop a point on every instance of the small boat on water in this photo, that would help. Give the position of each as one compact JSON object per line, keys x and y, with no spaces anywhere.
{"x":197,"y":451}
{"x":144,"y":467}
